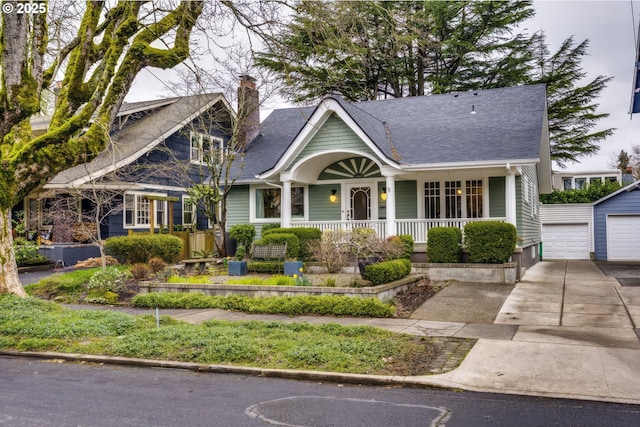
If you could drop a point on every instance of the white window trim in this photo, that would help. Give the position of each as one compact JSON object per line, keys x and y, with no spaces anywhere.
{"x":194,"y":212}
{"x":252,"y":204}
{"x":200,"y":136}
{"x":153,"y":214}
{"x":463,"y":203}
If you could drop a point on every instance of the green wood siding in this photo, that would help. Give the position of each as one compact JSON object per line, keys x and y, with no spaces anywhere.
{"x":497,"y":196}
{"x":406,"y":199}
{"x":320,"y":208}
{"x":334,"y":135}
{"x":238,"y":205}
{"x":528,"y":215}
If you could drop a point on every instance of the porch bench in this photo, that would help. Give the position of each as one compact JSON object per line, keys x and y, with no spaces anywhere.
{"x":197,"y":264}
{"x":269,"y":252}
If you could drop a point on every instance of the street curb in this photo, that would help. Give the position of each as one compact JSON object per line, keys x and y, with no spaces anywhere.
{"x":334,"y":377}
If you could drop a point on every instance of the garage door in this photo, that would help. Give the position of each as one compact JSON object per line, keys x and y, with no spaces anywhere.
{"x":565,"y":241}
{"x":623,"y":238}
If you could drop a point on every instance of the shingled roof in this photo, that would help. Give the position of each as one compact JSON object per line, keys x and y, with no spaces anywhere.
{"x":140,"y":136}
{"x":493,"y":125}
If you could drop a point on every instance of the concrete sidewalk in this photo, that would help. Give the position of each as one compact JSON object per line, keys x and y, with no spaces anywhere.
{"x":566,"y":330}
{"x":575,"y":338}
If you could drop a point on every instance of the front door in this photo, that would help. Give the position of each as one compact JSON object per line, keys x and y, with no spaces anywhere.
{"x":359,"y":203}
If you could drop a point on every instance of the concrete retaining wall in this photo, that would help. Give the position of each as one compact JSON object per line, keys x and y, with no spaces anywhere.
{"x":472,"y":273}
{"x":382,"y":292}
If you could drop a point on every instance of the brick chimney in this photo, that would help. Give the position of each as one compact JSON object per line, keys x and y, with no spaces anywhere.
{"x":248,"y":109}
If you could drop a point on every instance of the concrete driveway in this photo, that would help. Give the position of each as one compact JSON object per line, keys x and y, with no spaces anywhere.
{"x":627,"y":274}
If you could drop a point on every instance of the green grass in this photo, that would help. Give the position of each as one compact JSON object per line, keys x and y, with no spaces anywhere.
{"x":31,"y":324}
{"x":196,"y":280}
{"x":71,"y":287}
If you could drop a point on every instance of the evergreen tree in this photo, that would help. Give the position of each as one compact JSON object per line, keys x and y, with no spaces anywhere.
{"x":371,"y":50}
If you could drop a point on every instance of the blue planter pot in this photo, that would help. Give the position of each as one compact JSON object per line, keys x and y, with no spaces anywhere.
{"x":237,"y":268}
{"x":292,"y":267}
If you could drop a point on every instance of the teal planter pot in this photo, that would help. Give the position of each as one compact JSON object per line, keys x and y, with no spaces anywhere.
{"x":292,"y":267}
{"x":237,"y":268}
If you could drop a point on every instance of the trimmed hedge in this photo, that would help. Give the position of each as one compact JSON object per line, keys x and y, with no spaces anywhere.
{"x":296,"y":305}
{"x":243,"y":233}
{"x":306,"y":236}
{"x":266,"y":267}
{"x":293,"y":244}
{"x":490,"y":242}
{"x":408,"y":243}
{"x":142,"y":247}
{"x":444,"y":244}
{"x":387,"y":271}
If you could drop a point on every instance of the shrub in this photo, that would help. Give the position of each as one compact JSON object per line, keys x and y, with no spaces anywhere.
{"x":243,"y":233}
{"x":444,"y":244}
{"x":330,"y":250}
{"x":140,"y":248}
{"x":293,"y":244}
{"x":241,"y":252}
{"x":490,"y":242}
{"x":140,"y":271}
{"x":271,"y":226}
{"x":111,"y":279}
{"x":27,"y":253}
{"x":408,"y":245}
{"x":307,"y":236}
{"x":268,"y":267}
{"x":292,"y":306}
{"x":595,"y":191}
{"x":157,"y":264}
{"x":387,"y":271}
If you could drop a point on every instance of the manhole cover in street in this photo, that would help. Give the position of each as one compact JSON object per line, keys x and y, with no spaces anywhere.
{"x":629,"y":281}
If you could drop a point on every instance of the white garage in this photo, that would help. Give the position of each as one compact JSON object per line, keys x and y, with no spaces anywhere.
{"x":565,"y":241}
{"x":567,"y":231}
{"x":623,"y":237}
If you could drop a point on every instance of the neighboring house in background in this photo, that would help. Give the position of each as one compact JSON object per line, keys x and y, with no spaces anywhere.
{"x":616,"y":221}
{"x":402,"y":166}
{"x":565,"y":180}
{"x":146,"y":138}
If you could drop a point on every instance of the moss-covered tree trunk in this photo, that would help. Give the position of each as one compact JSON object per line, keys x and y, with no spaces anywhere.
{"x":113,"y":43}
{"x":9,"y":279}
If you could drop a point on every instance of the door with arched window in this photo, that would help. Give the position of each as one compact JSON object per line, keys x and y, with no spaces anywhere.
{"x":359,"y":208}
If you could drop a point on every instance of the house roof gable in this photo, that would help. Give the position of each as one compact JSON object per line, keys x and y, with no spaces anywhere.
{"x":507,"y":125}
{"x":140,"y":137}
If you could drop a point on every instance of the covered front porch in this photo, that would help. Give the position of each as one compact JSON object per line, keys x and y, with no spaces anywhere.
{"x":416,"y":228}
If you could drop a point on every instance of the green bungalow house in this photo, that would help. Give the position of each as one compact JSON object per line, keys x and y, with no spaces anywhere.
{"x":401,"y":166}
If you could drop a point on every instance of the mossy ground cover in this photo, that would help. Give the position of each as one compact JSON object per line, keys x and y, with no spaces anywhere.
{"x":35,"y":325}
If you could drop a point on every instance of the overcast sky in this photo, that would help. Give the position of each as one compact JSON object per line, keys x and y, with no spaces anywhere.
{"x":610,"y":28}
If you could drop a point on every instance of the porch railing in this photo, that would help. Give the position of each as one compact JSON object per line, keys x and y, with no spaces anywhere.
{"x":416,"y":228}
{"x":380,"y":226}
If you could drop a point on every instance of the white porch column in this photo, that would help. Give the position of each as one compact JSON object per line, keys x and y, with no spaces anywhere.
{"x":391,"y":206}
{"x":510,"y":197}
{"x":285,"y":206}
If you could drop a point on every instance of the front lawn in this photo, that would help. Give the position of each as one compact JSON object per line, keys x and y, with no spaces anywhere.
{"x":34,"y":325}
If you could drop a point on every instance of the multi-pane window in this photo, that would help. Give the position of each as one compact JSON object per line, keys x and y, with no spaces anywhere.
{"x":188,"y":211}
{"x":474,"y":198}
{"x":567,"y":184}
{"x":453,"y":199}
{"x":204,"y":147}
{"x":581,"y":183}
{"x":137,"y":211}
{"x":432,"y":200}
